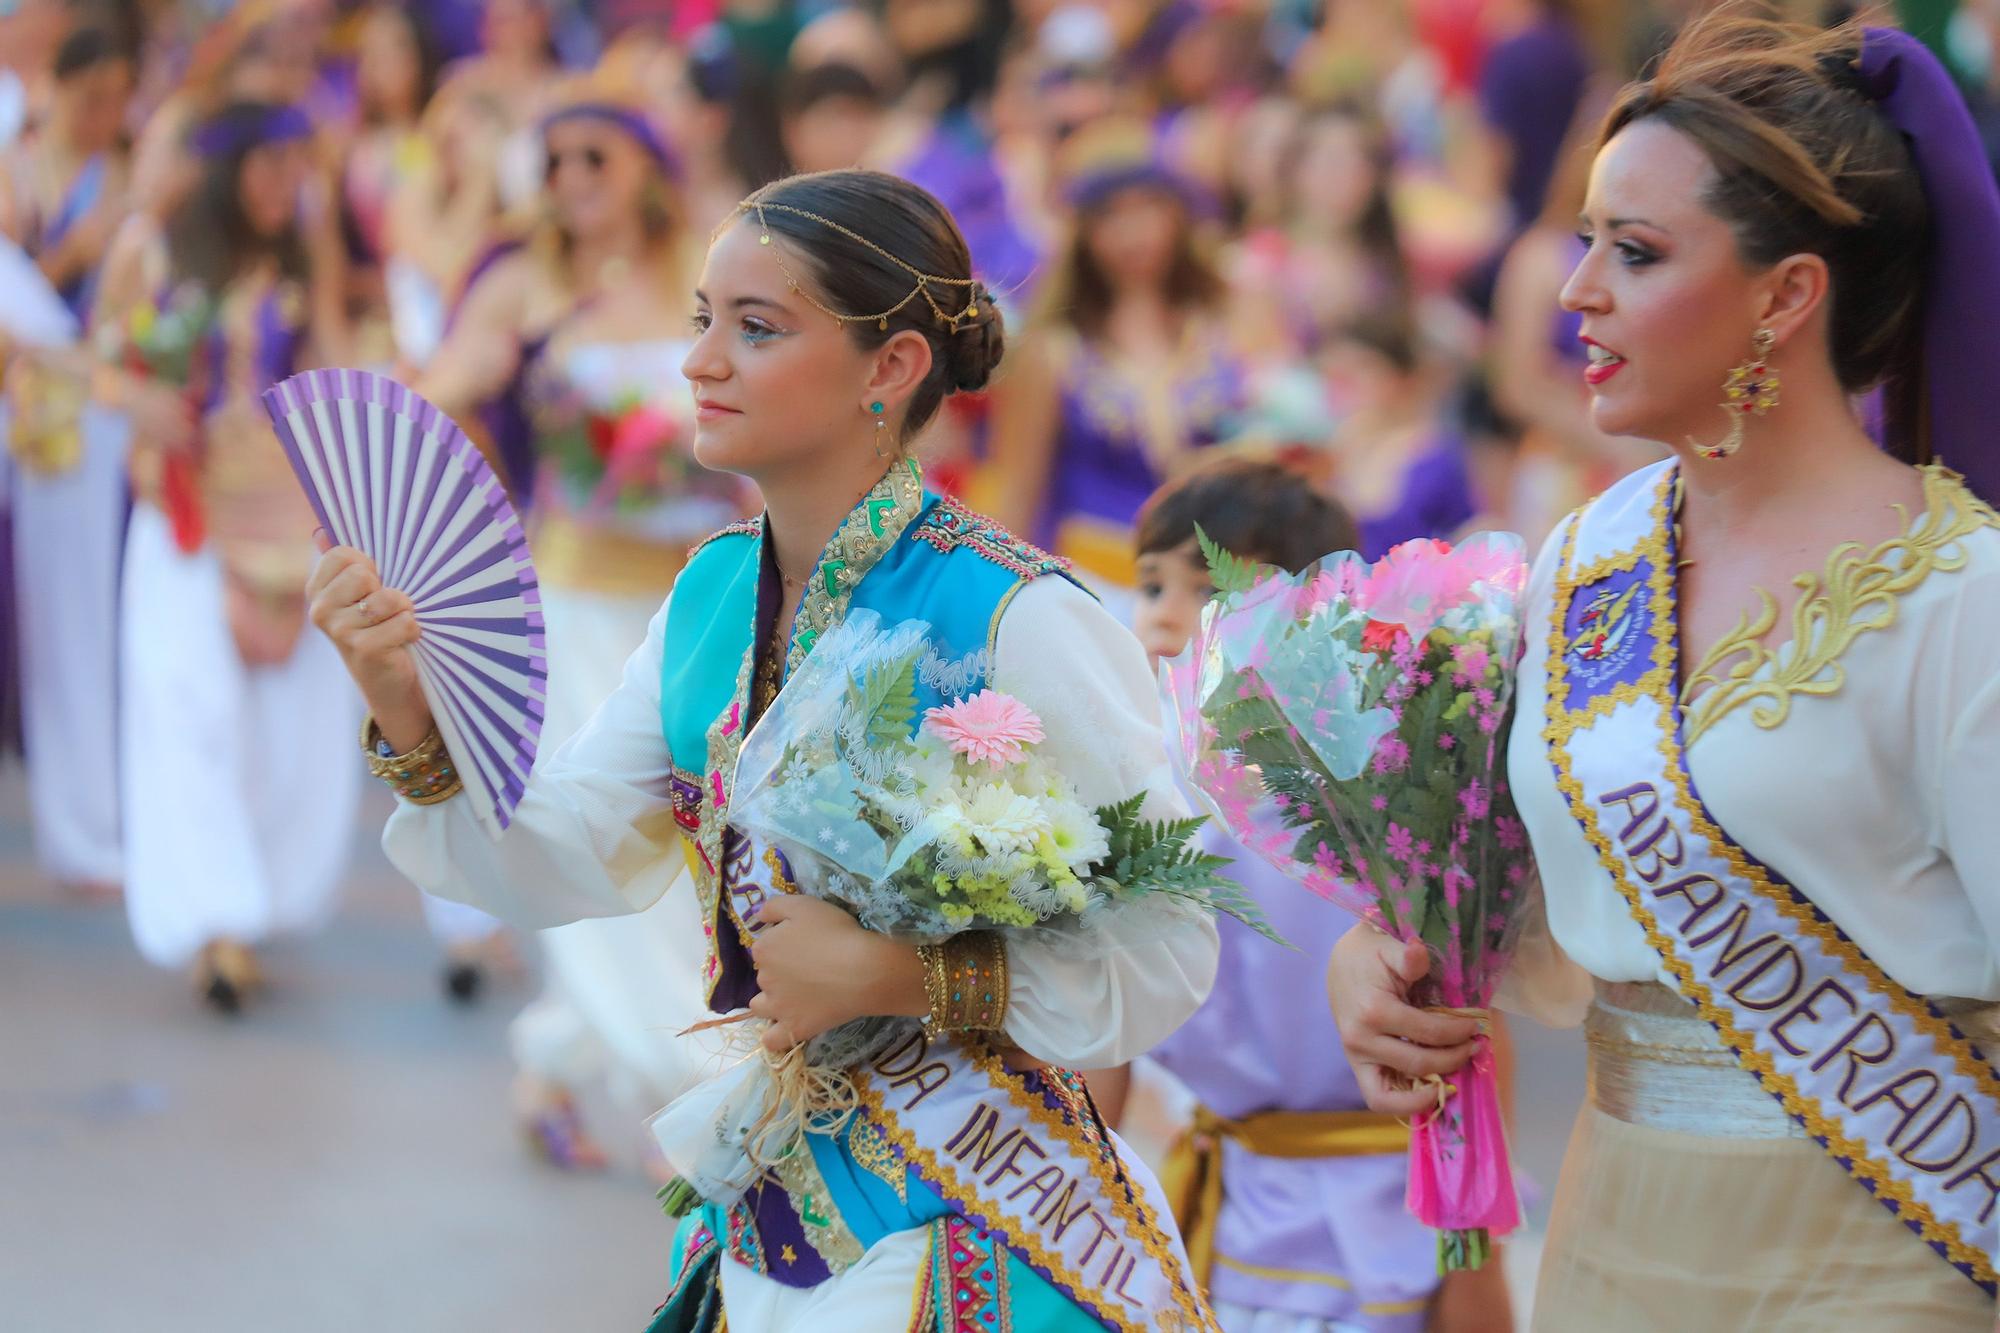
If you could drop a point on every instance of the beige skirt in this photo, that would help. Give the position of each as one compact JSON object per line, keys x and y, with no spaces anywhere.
{"x":1662,"y":1224}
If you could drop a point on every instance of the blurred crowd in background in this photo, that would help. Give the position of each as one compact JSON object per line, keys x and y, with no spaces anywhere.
{"x":1333,"y":230}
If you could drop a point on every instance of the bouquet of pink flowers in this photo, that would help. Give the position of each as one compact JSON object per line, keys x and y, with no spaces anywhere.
{"x":1348,"y":724}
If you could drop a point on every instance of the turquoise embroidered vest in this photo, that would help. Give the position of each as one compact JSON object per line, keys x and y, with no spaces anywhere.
{"x":902,"y":553}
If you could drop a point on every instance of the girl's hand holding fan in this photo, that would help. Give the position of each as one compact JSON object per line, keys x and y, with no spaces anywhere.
{"x":374,"y":628}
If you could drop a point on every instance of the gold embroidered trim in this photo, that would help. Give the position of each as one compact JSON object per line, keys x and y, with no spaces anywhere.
{"x":864,"y":537}
{"x":1855,"y":593}
{"x":826,"y":1230}
{"x":1657,"y":685}
{"x":725,"y":742}
{"x":873,"y":1154}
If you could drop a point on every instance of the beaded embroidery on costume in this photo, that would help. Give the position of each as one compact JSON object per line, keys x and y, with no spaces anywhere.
{"x":748,"y":527}
{"x":950,"y":525}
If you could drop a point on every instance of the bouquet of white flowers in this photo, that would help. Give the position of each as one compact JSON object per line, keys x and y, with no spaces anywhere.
{"x":956,"y":825}
{"x":922,"y":828}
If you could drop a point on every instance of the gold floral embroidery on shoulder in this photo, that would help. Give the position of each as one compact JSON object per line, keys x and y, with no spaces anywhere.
{"x":1856,"y":593}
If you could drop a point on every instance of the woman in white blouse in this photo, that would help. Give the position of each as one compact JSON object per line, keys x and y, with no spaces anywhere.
{"x":1759,"y":724}
{"x":835,"y":313}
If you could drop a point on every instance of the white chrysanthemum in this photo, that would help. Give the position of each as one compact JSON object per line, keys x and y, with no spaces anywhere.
{"x":931,"y":769}
{"x":1005,"y":821}
{"x":1078,"y":838}
{"x":1043,"y":781}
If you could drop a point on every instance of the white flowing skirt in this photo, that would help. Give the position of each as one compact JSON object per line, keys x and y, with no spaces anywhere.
{"x":618,"y":988}
{"x":67,"y":533}
{"x":241,"y":784}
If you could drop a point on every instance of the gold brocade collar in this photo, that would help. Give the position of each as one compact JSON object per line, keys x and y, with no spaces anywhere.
{"x":1858,"y":591}
{"x":868,"y":532}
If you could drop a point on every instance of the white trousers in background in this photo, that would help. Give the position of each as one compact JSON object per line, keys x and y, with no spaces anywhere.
{"x":241,"y":784}
{"x":67,"y":533}
{"x":619,"y":988}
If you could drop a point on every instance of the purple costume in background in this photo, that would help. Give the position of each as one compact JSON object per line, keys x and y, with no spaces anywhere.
{"x":1529,"y":92}
{"x":1102,"y":471}
{"x":45,"y":234}
{"x":10,"y":633}
{"x":505,"y":417}
{"x":81,"y":197}
{"x":1327,"y":1238}
{"x":1436,"y":501}
{"x":955,"y":163}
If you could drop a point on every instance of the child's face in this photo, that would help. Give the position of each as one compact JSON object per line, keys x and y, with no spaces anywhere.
{"x":1173,"y":588}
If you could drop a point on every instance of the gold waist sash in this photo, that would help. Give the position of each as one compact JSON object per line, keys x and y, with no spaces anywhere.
{"x":604,"y":561}
{"x":1192,"y":1175}
{"x":1654,"y":1061}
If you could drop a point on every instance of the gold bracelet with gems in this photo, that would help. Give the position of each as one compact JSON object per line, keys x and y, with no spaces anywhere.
{"x":423,"y":776}
{"x":965,"y":980}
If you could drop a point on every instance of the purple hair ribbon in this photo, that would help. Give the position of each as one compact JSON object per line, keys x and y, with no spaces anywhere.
{"x":237,"y":132}
{"x":1961,"y":358}
{"x":635,"y":125}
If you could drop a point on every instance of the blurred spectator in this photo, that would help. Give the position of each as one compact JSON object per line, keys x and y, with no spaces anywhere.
{"x":1128,"y":370}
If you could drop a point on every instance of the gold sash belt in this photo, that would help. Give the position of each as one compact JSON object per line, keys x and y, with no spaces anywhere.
{"x":1192,"y":1175}
{"x":1654,"y":1061}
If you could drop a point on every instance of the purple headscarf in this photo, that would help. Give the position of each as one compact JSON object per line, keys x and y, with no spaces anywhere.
{"x":1961,"y":359}
{"x":635,"y":125}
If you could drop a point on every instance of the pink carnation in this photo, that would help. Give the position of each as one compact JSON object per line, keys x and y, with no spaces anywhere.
{"x":990,"y":727}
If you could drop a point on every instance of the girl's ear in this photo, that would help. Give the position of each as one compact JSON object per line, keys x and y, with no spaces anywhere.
{"x":900,"y":367}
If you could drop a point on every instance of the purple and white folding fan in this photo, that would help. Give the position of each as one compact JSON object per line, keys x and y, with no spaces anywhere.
{"x":393,"y":477}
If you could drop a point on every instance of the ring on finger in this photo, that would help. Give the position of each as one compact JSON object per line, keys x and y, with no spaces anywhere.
{"x":361,"y":608}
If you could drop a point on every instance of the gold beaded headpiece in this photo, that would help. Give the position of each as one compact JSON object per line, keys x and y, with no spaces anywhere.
{"x":880,"y":319}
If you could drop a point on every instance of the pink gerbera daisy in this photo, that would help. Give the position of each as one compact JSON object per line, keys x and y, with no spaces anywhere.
{"x":990,"y":727}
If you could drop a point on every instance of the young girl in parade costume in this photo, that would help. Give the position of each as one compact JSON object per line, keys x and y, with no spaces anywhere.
{"x":579,"y":335}
{"x":219,"y":686}
{"x":62,"y":193}
{"x":1758,"y":719}
{"x":836,"y":312}
{"x":1288,"y":1190}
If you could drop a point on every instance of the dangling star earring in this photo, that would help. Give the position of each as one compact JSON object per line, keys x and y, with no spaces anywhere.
{"x":881,"y":426}
{"x":1751,"y":387}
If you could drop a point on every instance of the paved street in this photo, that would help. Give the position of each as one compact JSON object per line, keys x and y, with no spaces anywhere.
{"x":341,"y":1157}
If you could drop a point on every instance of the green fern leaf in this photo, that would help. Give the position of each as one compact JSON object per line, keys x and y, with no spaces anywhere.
{"x":1230,"y":573}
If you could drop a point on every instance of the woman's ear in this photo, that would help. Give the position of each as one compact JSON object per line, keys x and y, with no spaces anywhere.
{"x":1794,"y":291}
{"x":900,"y":367}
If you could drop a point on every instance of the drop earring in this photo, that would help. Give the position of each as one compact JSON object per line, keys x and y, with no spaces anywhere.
{"x":881,"y":427}
{"x":1751,"y":388}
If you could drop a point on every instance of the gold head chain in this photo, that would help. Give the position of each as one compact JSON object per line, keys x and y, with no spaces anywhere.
{"x":881,"y":319}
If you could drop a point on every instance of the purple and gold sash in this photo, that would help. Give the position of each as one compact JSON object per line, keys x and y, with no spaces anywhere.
{"x":1877,"y":1075}
{"x":1025,"y":1158}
